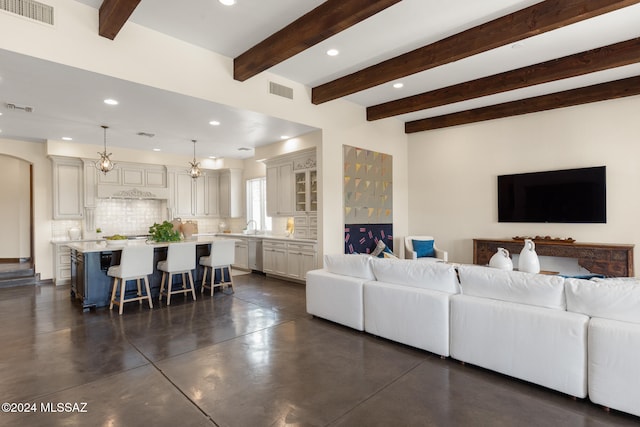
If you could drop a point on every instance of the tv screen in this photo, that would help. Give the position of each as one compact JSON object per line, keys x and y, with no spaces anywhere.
{"x":562,"y":196}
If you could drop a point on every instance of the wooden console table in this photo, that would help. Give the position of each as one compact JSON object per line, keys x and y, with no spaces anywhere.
{"x":611,"y":260}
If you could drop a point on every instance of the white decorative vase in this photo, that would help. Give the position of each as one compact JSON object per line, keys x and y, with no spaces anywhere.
{"x":501,"y":260}
{"x":528,"y":261}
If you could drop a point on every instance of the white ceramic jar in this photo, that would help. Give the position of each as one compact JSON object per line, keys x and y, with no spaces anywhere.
{"x":501,"y":260}
{"x":528,"y":260}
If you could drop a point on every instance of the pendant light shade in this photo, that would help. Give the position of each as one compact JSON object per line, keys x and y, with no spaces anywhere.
{"x":194,"y":171}
{"x":104,"y":164}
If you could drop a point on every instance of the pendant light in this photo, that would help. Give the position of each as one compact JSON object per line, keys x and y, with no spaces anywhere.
{"x":105,"y":164}
{"x":195,"y":171}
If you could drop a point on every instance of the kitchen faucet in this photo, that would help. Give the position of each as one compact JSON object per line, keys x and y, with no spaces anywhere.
{"x":255,"y":226}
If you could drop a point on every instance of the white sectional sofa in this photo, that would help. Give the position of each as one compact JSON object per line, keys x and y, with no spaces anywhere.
{"x":614,"y":339}
{"x":579,"y":337}
{"x":516,"y":323}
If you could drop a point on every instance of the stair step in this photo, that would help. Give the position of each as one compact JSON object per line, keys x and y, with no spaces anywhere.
{"x":18,"y":273}
{"x":20,"y":281}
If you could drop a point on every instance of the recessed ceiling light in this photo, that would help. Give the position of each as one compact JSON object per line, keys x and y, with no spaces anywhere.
{"x":398,"y":85}
{"x":227,"y":2}
{"x":214,"y":123}
{"x":110,"y":101}
{"x":67,"y":138}
{"x":212,"y":157}
{"x":157,"y":149}
{"x":284,"y":137}
{"x":333,"y":52}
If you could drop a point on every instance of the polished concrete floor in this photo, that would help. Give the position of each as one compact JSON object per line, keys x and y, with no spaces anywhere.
{"x":255,"y":358}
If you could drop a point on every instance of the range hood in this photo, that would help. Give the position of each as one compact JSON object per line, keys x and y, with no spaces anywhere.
{"x":120,"y":192}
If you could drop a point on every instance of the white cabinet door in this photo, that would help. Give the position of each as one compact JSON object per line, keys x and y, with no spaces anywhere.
{"x":213,"y":194}
{"x":184,"y":195}
{"x":242,"y":255}
{"x":68,"y":188}
{"x":230,"y":193}
{"x":280,"y":186}
{"x":90,"y":183}
{"x":274,"y":258}
{"x":301,"y":257}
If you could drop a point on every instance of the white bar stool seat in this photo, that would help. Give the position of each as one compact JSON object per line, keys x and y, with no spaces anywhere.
{"x":220,"y":258}
{"x":181,"y":259}
{"x":136,"y":262}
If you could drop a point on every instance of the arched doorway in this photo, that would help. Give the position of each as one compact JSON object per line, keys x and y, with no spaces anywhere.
{"x":16,"y":221}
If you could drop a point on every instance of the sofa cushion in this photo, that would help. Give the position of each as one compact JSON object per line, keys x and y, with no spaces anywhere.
{"x":609,"y":298}
{"x":423,"y":248}
{"x":434,"y":276}
{"x":349,"y":265}
{"x":514,"y":286}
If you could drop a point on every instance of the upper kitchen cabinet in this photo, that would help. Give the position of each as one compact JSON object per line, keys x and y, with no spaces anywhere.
{"x":306,"y":191}
{"x":280,"y":200}
{"x":194,"y":198}
{"x":68,"y":188}
{"x":230,"y":195}
{"x":292,"y":184}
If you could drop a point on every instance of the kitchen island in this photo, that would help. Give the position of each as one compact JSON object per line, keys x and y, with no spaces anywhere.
{"x":91,"y":260}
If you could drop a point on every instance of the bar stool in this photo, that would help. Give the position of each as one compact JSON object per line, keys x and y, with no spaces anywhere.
{"x":221,"y":257}
{"x":181,"y":259}
{"x":136,"y":262}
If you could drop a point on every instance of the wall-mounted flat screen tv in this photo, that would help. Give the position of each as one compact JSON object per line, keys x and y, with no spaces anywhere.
{"x":561,"y":196}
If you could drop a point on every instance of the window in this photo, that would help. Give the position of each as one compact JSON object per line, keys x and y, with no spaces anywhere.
{"x":257,"y":203}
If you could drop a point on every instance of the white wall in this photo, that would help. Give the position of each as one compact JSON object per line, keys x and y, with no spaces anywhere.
{"x":452,"y":190}
{"x":194,"y":71}
{"x":34,"y":153}
{"x":15,"y":215}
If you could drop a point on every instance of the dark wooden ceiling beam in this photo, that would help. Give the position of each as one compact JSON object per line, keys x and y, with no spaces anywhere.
{"x":326,"y":20}
{"x":537,"y":19}
{"x":112,"y":16}
{"x":603,"y":58}
{"x":600,"y":92}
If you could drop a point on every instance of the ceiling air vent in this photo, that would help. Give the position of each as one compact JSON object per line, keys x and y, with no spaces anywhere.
{"x":29,"y":9}
{"x":280,"y":90}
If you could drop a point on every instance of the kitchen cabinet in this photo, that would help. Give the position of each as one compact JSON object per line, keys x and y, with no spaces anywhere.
{"x":195,"y":197}
{"x":301,"y":257}
{"x":241,"y":254}
{"x":274,"y":257}
{"x":280,"y":197}
{"x":62,"y":264}
{"x":291,"y":260}
{"x":230,"y":194}
{"x":68,"y":190}
{"x":306,"y":191}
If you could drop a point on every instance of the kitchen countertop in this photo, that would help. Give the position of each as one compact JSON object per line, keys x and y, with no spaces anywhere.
{"x":259,"y":236}
{"x":100,"y":246}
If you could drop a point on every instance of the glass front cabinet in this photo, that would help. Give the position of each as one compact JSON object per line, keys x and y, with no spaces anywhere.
{"x":306,"y":190}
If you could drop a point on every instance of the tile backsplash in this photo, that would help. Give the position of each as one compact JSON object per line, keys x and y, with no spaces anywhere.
{"x":132,"y":216}
{"x":128,"y":216}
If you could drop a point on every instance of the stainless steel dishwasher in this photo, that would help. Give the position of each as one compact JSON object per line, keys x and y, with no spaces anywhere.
{"x":255,"y":254}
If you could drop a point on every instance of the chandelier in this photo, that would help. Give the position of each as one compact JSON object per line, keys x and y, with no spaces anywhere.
{"x":194,"y":171}
{"x":104,"y":164}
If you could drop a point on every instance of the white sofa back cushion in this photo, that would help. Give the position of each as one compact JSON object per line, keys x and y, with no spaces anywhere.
{"x":433,"y":276}
{"x":353,"y":265}
{"x":513,"y":286}
{"x":610,"y":299}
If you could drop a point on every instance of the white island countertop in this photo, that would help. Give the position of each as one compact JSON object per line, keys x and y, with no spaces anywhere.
{"x":100,"y":246}
{"x":258,"y":236}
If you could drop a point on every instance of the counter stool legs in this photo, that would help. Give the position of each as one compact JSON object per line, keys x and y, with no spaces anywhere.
{"x":122,"y":285}
{"x":169,"y":282}
{"x":222,"y":283}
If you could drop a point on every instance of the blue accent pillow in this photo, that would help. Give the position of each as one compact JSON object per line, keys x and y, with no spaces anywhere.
{"x":423,"y":248}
